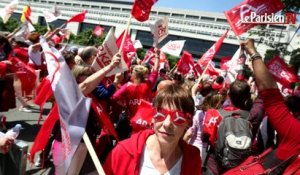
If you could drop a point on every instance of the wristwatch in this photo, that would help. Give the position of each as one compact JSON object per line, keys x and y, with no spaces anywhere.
{"x":255,"y":56}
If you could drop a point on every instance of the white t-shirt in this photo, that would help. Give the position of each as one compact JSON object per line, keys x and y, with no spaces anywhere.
{"x":147,"y":167}
{"x":34,"y":57}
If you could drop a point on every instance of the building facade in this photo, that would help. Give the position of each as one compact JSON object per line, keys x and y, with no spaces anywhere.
{"x":200,"y":29}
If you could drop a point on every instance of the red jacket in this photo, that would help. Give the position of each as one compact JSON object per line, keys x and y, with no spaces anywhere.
{"x":125,"y":158}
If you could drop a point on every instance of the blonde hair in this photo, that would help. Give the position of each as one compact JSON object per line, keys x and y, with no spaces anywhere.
{"x":140,"y":72}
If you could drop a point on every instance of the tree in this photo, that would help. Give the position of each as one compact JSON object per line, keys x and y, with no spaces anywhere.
{"x":86,"y":38}
{"x":10,"y":25}
{"x":40,"y":29}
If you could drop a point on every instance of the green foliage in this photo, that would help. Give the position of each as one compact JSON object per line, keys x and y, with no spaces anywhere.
{"x":141,"y":53}
{"x":40,"y":29}
{"x":86,"y":38}
{"x":291,"y":5}
{"x":10,"y":25}
{"x":269,"y":55}
{"x":172,"y":60}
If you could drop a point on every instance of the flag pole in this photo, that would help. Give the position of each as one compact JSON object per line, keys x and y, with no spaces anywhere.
{"x":93,"y":154}
{"x":125,"y":34}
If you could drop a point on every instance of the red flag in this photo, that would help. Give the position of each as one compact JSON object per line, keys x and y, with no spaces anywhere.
{"x":103,"y":117}
{"x":186,"y":62}
{"x":141,"y":9}
{"x":78,"y":17}
{"x":223,"y":61}
{"x":43,"y":92}
{"x":211,"y":70}
{"x":210,"y":124}
{"x":209,"y":55}
{"x":25,"y":73}
{"x":41,"y":139}
{"x":98,"y":31}
{"x":142,"y":118}
{"x":281,"y":72}
{"x":237,"y":15}
{"x":26,"y":14}
{"x":57,"y":38}
{"x":128,"y":47}
{"x":149,"y":57}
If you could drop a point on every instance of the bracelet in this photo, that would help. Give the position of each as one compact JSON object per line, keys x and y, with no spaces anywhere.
{"x":255,"y":56}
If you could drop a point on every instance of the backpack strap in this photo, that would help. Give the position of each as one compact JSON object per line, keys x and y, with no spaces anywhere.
{"x":243,"y":114}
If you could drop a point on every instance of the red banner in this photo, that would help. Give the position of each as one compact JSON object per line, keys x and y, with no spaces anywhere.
{"x":223,"y":61}
{"x":142,"y":118}
{"x":78,"y":17}
{"x":281,"y":72}
{"x":149,"y":57}
{"x":209,"y":55}
{"x":244,"y":10}
{"x":25,"y":73}
{"x":186,"y":62}
{"x":43,"y":92}
{"x":141,"y":9}
{"x":128,"y":47}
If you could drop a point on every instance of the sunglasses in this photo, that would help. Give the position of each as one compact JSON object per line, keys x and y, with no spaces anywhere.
{"x":178,"y":117}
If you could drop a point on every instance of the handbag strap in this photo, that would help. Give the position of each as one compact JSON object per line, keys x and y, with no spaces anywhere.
{"x":291,"y":158}
{"x":293,"y":167}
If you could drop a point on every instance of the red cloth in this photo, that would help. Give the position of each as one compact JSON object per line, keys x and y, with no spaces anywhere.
{"x":21,"y":53}
{"x":125,"y":158}
{"x":260,"y":7}
{"x":127,"y":47}
{"x":43,"y":92}
{"x":286,"y":126}
{"x":78,"y":17}
{"x":209,"y":55}
{"x":133,"y":93}
{"x":281,"y":72}
{"x":25,"y":73}
{"x":3,"y":68}
{"x":41,"y":139}
{"x":186,"y":62}
{"x":103,"y":118}
{"x":211,"y":122}
{"x":142,"y":118}
{"x":141,"y":9}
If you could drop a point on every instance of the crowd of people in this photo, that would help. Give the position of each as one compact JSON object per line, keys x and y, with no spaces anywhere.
{"x":187,"y":112}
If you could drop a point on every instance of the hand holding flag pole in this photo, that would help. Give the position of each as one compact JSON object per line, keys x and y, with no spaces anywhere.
{"x":125,"y":34}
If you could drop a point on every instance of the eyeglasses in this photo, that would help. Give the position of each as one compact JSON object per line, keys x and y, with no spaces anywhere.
{"x":178,"y":117}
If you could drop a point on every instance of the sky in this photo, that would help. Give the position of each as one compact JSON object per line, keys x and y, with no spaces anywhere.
{"x":202,"y":5}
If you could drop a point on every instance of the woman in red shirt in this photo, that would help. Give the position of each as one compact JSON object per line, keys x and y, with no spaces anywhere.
{"x":161,"y":150}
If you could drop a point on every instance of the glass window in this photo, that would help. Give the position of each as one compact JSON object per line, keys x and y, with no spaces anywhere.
{"x":222,"y":20}
{"x":192,"y":17}
{"x":177,"y":15}
{"x":204,"y":18}
{"x":163,"y":14}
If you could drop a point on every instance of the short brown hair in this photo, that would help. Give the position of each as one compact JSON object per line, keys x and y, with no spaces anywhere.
{"x":174,"y":94}
{"x":34,"y":37}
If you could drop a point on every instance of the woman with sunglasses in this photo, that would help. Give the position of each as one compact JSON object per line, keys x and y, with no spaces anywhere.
{"x":160,"y":150}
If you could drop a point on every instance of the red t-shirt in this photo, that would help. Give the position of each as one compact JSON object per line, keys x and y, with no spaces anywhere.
{"x":133,"y":93}
{"x":287,"y":127}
